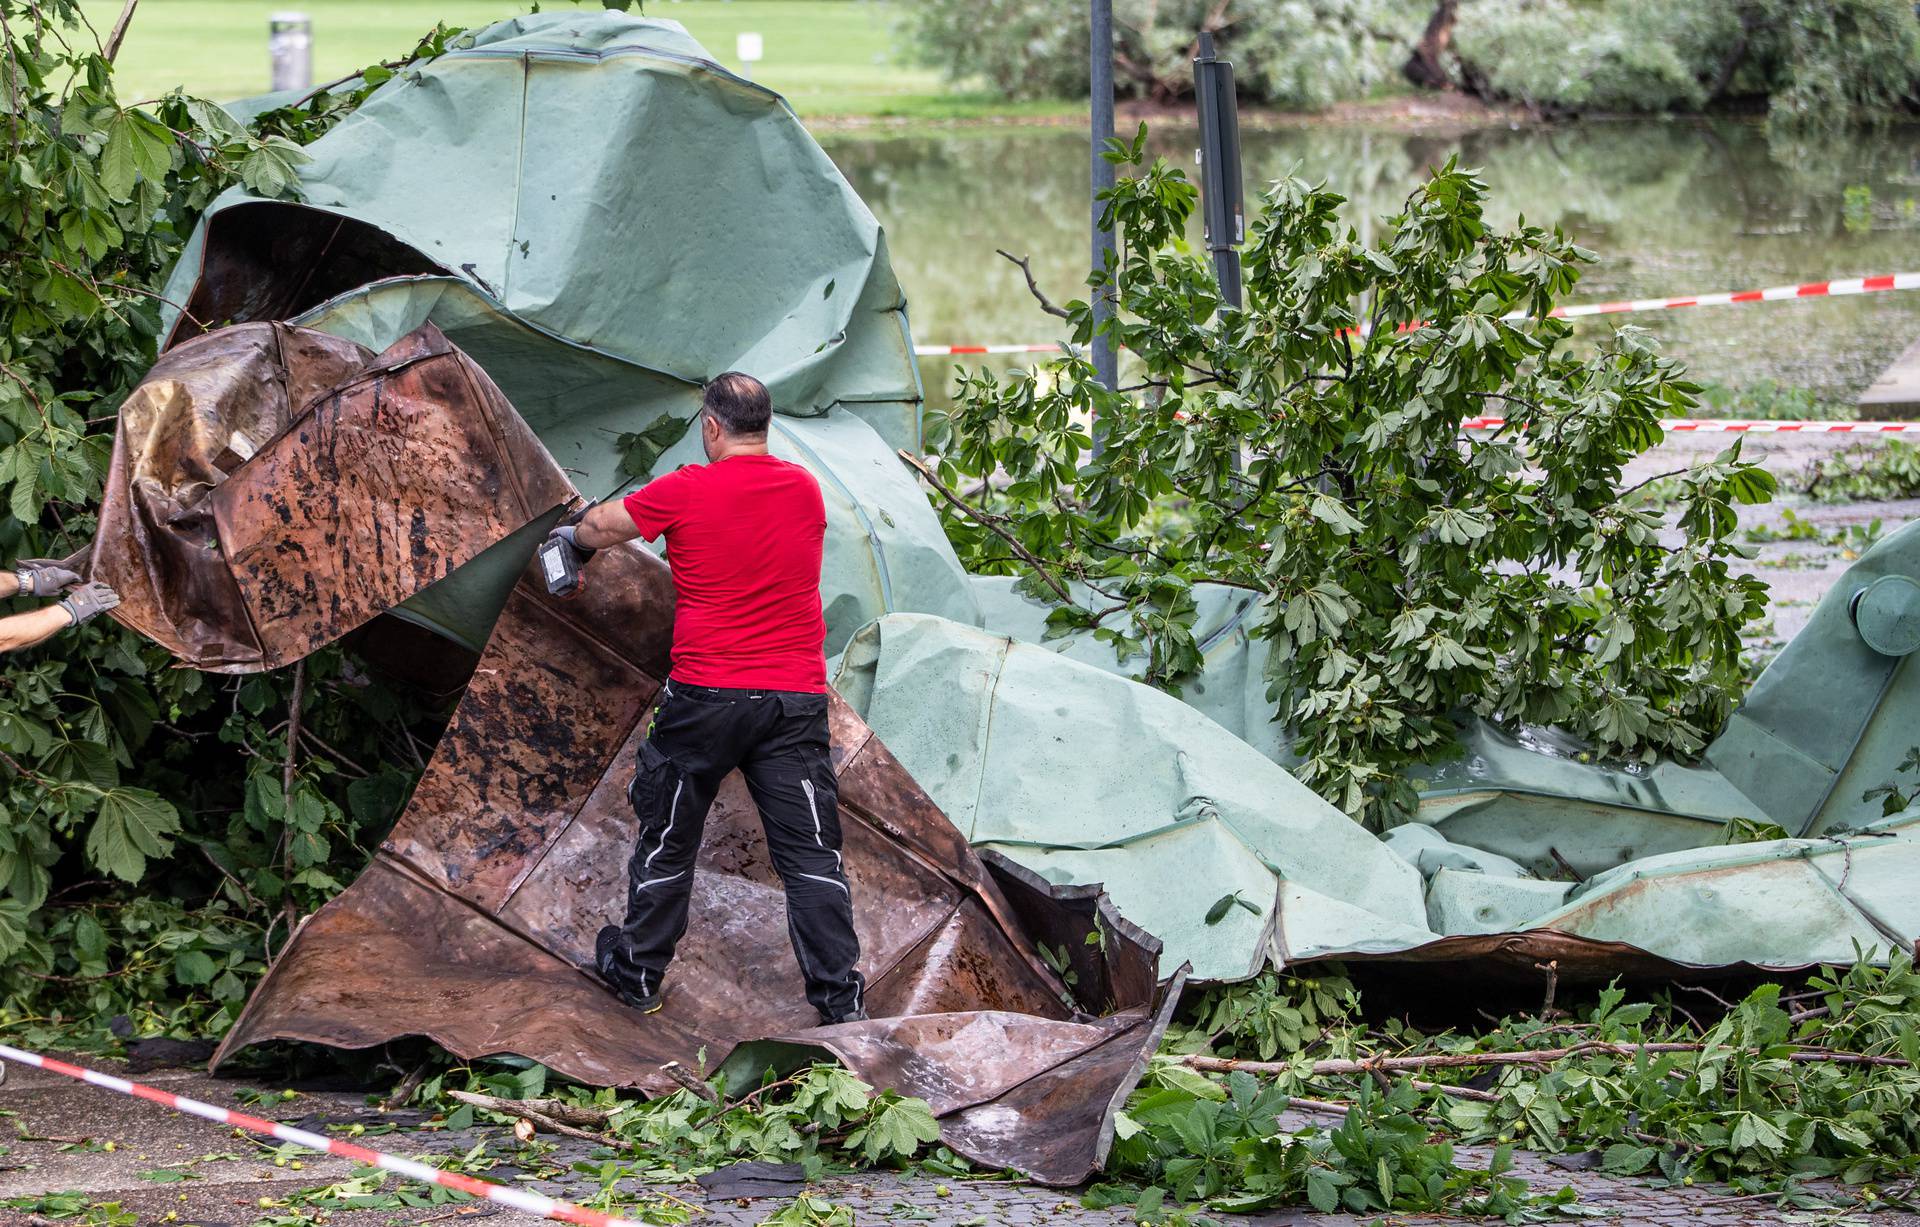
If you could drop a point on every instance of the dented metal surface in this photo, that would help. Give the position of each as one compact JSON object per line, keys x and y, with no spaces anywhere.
{"x":474,"y":924}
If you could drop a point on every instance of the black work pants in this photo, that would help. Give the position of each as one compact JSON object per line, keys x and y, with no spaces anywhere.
{"x":778,"y":740}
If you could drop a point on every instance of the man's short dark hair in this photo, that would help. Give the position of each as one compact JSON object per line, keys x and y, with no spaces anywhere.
{"x":739,"y":403}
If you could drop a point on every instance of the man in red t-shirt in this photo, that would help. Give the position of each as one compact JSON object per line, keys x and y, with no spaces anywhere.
{"x":748,"y":689}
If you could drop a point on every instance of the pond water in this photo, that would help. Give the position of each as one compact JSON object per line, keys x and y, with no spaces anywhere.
{"x":1670,"y":207}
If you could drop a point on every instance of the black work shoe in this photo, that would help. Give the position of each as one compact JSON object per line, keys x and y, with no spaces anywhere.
{"x":605,"y":946}
{"x":856,"y":1014}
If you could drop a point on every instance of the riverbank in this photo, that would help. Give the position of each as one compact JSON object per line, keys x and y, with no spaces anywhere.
{"x":836,"y":61}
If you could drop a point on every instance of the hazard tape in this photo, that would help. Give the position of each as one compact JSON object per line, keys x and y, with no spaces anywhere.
{"x":519,"y":1199}
{"x":1740,"y":426}
{"x":1780,"y":293}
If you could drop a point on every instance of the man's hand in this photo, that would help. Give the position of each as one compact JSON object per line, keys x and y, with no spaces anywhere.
{"x":89,"y":601}
{"x":569,"y":533}
{"x":563,"y":562}
{"x":43,"y":577}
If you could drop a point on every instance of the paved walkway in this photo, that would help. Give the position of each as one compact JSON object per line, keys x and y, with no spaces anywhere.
{"x":234,"y":1181}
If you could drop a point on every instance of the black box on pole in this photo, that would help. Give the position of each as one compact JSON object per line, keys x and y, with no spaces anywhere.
{"x":1222,"y":206}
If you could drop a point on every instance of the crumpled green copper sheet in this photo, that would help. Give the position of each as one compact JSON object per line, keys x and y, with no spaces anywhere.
{"x":1081,"y":775}
{"x":608,"y":184}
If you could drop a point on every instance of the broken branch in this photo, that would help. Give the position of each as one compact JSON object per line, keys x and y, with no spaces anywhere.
{"x":920,"y":466}
{"x":543,"y":1115}
{"x":1540,"y":1056}
{"x":678,"y":1072}
{"x":1025,"y":264}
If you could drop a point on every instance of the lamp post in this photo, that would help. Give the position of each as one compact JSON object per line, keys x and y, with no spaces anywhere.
{"x":1222,"y":209}
{"x":1101,"y":65}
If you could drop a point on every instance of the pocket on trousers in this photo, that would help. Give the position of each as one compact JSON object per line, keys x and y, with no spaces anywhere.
{"x":646,"y":790}
{"x":803,"y":704}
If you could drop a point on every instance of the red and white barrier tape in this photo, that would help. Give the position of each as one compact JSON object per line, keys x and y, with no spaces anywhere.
{"x":519,"y":1199}
{"x":1744,"y":426}
{"x":1779,"y":293}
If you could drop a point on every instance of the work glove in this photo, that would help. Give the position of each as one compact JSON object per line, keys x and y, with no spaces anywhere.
{"x":563,"y":562}
{"x":43,"y":577}
{"x":89,"y":600}
{"x":566,"y":533}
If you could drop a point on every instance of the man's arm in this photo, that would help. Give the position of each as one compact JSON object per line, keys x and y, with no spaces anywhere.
{"x":604,"y":524}
{"x":34,"y":626}
{"x":9,"y":584}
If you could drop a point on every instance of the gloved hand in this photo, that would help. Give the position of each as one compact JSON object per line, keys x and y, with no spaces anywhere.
{"x":563,"y":562}
{"x":566,"y":533}
{"x":89,"y":600}
{"x":43,"y":577}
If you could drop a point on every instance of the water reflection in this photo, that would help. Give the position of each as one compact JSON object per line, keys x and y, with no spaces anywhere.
{"x":1672,"y":208}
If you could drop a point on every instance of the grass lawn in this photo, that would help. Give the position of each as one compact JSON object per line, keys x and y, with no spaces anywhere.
{"x":829,"y":57}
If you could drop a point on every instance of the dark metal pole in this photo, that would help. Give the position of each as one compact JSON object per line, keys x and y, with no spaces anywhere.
{"x":1101,"y":63}
{"x":1221,"y":206}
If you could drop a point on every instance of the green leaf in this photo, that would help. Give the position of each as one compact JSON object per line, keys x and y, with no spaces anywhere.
{"x":1322,"y":1191}
{"x":131,"y":825}
{"x":1218,"y":911}
{"x":897,"y":1130}
{"x":640,"y":450}
{"x":193,"y":968}
{"x":1333,"y":513}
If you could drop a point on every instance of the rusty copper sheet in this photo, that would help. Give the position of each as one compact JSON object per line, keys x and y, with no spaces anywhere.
{"x":475,"y":920}
{"x":330,"y":483}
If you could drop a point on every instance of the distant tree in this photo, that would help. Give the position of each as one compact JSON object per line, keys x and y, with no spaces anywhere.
{"x":1426,"y":66}
{"x":1297,"y":53}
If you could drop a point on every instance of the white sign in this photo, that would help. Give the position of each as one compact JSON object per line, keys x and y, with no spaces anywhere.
{"x":748,"y":47}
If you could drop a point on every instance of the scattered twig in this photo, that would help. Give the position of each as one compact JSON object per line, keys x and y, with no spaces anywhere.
{"x":403,"y":1091}
{"x":1565,"y":866}
{"x":315,"y":741}
{"x":1025,"y":264}
{"x":539,"y":1120}
{"x":286,"y":788}
{"x":252,"y":898}
{"x":1704,"y":991}
{"x":1538,"y":1056}
{"x":920,"y":466}
{"x":678,"y":1072}
{"x":1552,"y":968}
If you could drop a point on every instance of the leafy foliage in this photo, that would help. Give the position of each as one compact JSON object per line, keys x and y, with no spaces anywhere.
{"x":116,"y":770}
{"x":1779,"y":1091}
{"x":1285,"y":52}
{"x":1308,"y":448}
{"x":819,"y":1114}
{"x":1884,"y":469}
{"x":1813,"y":60}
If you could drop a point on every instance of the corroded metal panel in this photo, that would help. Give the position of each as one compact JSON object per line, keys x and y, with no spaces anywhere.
{"x":474,"y":924}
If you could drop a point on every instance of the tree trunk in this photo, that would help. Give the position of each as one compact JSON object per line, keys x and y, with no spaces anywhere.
{"x":1749,"y":19}
{"x":1426,"y":67}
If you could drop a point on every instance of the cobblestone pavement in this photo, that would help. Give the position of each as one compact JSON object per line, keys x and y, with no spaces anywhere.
{"x":235,"y":1182}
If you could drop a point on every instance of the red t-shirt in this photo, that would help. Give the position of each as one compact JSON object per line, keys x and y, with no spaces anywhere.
{"x":745,"y":538}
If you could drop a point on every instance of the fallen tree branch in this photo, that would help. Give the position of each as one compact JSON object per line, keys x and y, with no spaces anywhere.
{"x":1539,"y":1056}
{"x":1025,"y":264}
{"x":678,"y":1072}
{"x":1013,"y":543}
{"x":544,"y":1115}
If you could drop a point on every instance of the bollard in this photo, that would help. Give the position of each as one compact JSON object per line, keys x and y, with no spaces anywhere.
{"x":290,"y":49}
{"x":748,"y":48}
